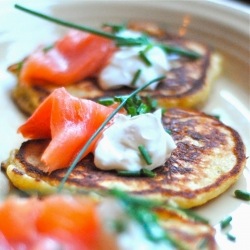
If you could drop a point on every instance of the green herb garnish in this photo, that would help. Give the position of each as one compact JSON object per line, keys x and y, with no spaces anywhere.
{"x":151,"y":102}
{"x":85,"y":147}
{"x":180,"y":51}
{"x":168,"y":131}
{"x":120,"y":41}
{"x":203,"y":244}
{"x":134,"y":105}
{"x":140,"y":210}
{"x":136,"y":77}
{"x":115,"y":27}
{"x":225,"y":222}
{"x":47,"y":48}
{"x":140,"y":173}
{"x":243,"y":195}
{"x":231,"y":237}
{"x":143,"y":56}
{"x":106,"y":101}
{"x":145,"y":154}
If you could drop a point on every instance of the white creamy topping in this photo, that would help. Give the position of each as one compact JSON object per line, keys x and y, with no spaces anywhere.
{"x":118,"y":147}
{"x":124,"y":64}
{"x":132,"y":237}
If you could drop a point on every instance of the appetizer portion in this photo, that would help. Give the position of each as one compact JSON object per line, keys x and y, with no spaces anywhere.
{"x":115,"y":60}
{"x":197,"y":156}
{"x":117,"y":222}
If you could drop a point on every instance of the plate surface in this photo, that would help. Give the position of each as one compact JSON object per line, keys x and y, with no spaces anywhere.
{"x":223,"y":27}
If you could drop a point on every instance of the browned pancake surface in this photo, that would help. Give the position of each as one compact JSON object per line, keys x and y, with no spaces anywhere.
{"x":208,"y":159}
{"x":187,"y":84}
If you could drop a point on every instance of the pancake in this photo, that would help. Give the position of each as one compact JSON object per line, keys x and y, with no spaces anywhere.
{"x":209,"y":158}
{"x":187,"y":84}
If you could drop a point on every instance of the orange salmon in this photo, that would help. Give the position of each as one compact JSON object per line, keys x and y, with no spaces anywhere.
{"x":74,"y":57}
{"x":69,"y":122}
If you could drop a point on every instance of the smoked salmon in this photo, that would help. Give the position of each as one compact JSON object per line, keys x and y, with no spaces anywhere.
{"x":74,"y":57}
{"x":41,"y":224}
{"x":69,"y":122}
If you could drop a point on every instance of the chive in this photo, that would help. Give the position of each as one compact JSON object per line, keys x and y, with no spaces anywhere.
{"x":66,"y":23}
{"x":231,"y":237}
{"x":203,"y":243}
{"x":120,"y":41}
{"x":47,"y":48}
{"x":225,"y":222}
{"x":168,"y":131}
{"x":180,"y":51}
{"x":123,"y":41}
{"x":143,"y":56}
{"x":243,"y":195}
{"x":118,"y":226}
{"x":136,"y":77}
{"x":128,"y":173}
{"x":106,"y":101}
{"x":140,"y":210}
{"x":145,"y":154}
{"x":143,"y":172}
{"x":115,"y":27}
{"x":148,"y":173}
{"x":85,"y":147}
{"x":216,"y":117}
{"x":152,"y":103}
{"x":189,"y":213}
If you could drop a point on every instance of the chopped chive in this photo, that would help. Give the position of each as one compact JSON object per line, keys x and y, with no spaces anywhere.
{"x":152,"y":103}
{"x":86,"y":146}
{"x":168,"y":131}
{"x":119,"y":226}
{"x":106,"y":101}
{"x":203,"y":243}
{"x":145,"y":154}
{"x":148,"y":173}
{"x":140,"y":173}
{"x":243,"y":195}
{"x":231,"y":237}
{"x":180,"y":51}
{"x":120,"y":41}
{"x":144,"y":58}
{"x":216,"y":117}
{"x":47,"y":48}
{"x":225,"y":222}
{"x":128,"y":173}
{"x":136,"y":77}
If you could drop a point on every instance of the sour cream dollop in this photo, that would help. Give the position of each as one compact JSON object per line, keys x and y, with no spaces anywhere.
{"x":118,"y":147}
{"x":123,"y":65}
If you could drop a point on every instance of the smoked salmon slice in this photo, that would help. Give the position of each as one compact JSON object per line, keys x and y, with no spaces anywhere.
{"x":66,"y":222}
{"x":69,"y":122}
{"x":74,"y":57}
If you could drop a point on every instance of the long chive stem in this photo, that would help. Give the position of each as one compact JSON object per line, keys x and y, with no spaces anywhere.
{"x":66,"y":23}
{"x":85,"y":147}
{"x":120,"y":41}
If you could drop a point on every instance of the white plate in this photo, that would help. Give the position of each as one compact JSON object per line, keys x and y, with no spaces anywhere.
{"x":224,"y":27}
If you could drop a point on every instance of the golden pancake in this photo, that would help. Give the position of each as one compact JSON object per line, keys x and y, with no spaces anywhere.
{"x":209,"y":158}
{"x":187,"y":84}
